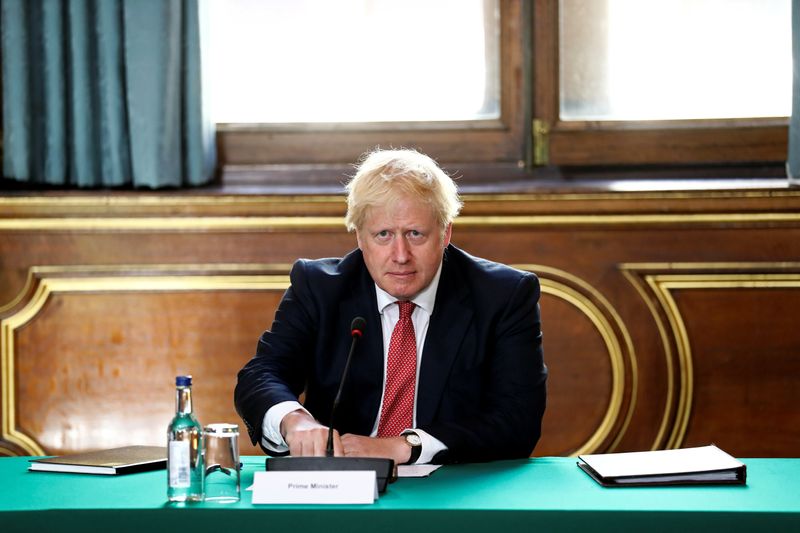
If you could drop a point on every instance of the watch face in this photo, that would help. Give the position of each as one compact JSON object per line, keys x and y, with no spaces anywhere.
{"x":413,"y":439}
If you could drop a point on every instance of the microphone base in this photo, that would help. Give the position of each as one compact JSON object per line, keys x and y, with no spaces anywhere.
{"x":383,"y":468}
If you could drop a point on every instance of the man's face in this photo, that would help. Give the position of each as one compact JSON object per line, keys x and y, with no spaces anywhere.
{"x":402,"y":246}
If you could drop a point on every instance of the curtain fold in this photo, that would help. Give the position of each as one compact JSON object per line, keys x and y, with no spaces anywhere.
{"x":104,"y":93}
{"x":793,"y":162}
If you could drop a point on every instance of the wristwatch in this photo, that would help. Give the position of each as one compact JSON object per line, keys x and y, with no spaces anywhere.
{"x":413,"y":440}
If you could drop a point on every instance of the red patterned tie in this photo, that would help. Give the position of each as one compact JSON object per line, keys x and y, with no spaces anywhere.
{"x":397,"y":413}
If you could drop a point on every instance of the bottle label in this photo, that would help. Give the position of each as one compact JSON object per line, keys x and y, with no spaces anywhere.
{"x":179,"y":464}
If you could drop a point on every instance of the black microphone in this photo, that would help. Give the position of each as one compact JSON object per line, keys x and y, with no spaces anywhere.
{"x":383,"y":467}
{"x":356,"y":331}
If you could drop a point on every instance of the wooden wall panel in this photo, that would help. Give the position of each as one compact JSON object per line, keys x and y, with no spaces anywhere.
{"x":111,"y":360}
{"x":667,"y":316}
{"x":728,"y":335}
{"x":92,"y":354}
{"x":571,"y":418}
{"x":745,"y":356}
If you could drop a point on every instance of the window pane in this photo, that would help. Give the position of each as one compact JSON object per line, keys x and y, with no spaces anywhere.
{"x":279,"y":61}
{"x":675,"y":59}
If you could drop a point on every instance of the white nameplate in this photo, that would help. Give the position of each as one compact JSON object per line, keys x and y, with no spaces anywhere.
{"x":315,"y":487}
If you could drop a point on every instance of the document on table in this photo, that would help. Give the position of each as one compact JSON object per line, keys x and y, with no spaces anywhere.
{"x":416,"y":470}
{"x":700,"y":465}
{"x":125,"y":460}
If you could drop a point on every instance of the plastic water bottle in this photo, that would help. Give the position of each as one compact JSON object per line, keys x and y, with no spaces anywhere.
{"x":184,"y":448}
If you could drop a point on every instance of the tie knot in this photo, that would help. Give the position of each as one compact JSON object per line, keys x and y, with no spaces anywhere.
{"x":406,"y":308}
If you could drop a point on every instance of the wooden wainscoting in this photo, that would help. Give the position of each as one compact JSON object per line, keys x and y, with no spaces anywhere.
{"x":670,"y":319}
{"x":90,"y":353}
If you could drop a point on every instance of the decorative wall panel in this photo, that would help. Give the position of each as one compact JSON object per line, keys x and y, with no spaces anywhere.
{"x":669,"y":318}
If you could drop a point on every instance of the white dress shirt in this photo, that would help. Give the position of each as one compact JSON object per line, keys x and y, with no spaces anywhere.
{"x":390,"y":314}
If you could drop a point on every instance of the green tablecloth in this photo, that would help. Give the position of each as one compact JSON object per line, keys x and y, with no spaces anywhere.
{"x":543,"y":494}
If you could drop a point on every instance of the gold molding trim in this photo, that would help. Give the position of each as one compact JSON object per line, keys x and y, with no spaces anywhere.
{"x":299,"y":223}
{"x":158,"y":200}
{"x":575,"y":293}
{"x":686,"y":390}
{"x":93,"y":283}
{"x":166,"y":200}
{"x":35,"y":272}
{"x":627,"y":219}
{"x":627,"y":194}
{"x":187,"y":223}
{"x":29,"y":280}
{"x":665,"y":278}
{"x":637,"y":283}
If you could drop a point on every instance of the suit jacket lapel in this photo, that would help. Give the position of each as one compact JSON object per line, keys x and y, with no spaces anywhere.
{"x":450,"y":319}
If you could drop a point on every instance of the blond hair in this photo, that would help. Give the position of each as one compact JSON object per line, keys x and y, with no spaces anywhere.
{"x":383,"y":176}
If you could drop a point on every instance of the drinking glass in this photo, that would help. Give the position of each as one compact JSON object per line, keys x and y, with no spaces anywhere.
{"x":222,"y":481}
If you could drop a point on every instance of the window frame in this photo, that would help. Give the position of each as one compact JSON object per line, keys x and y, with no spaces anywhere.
{"x":318,"y":153}
{"x":655,"y":142}
{"x":527,"y":144}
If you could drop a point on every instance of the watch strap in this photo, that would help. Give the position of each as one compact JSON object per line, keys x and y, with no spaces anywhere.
{"x":416,"y":449}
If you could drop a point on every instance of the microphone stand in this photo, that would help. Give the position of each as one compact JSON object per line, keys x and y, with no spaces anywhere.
{"x":356,"y":332}
{"x":383,"y":467}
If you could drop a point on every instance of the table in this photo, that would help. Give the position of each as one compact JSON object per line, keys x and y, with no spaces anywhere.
{"x":541,"y":494}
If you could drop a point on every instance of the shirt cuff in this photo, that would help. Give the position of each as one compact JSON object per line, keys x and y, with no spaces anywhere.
{"x":430,"y":447}
{"x":272,"y":439}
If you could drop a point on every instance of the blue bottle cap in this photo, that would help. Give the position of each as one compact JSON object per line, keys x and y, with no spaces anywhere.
{"x":183,"y":381}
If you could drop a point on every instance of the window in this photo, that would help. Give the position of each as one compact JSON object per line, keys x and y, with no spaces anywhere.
{"x":444,"y":76}
{"x":356,"y":61}
{"x":640,"y":60}
{"x":498,"y":89}
{"x":665,"y":82}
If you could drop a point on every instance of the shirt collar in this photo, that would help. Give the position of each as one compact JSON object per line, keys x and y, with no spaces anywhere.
{"x":425,"y":299}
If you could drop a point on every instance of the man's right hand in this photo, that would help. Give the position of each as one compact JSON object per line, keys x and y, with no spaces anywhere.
{"x":307,"y":437}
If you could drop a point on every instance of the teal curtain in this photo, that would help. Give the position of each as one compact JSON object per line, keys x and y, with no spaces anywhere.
{"x":104,"y":93}
{"x":793,"y":164}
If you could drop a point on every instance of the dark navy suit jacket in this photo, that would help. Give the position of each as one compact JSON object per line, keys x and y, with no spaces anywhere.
{"x":481,"y":387}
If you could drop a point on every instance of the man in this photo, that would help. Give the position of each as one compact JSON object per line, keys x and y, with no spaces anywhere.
{"x":450,"y":367}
